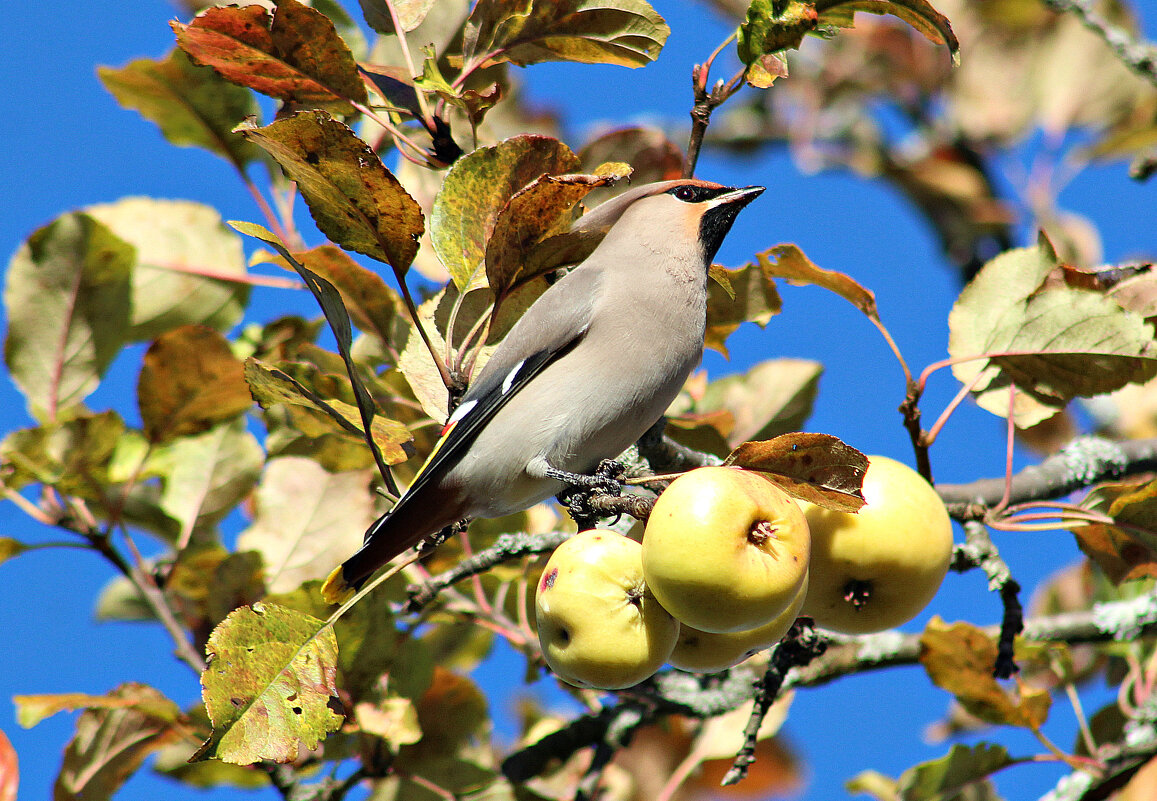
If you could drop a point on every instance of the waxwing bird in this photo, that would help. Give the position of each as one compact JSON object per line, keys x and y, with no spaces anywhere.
{"x":589,"y":367}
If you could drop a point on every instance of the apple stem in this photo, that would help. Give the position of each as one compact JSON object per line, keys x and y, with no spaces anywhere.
{"x":858,"y":593}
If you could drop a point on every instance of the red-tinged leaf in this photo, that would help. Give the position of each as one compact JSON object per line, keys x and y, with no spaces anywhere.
{"x":269,"y":687}
{"x":478,"y":187}
{"x":190,"y":380}
{"x":9,"y":769}
{"x":294,"y":55}
{"x":543,"y":208}
{"x":67,"y":299}
{"x":625,"y":32}
{"x":788,"y":261}
{"x":111,"y":743}
{"x":353,"y":198}
{"x":192,"y":105}
{"x":960,"y":659}
{"x":818,"y":468}
{"x":652,"y":156}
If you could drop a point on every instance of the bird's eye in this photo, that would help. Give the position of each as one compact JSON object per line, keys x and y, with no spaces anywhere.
{"x":686,"y":193}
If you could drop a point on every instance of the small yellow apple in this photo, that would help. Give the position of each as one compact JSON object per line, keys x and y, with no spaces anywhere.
{"x":705,"y":652}
{"x":598,"y":623}
{"x":725,"y":549}
{"x":878,"y":568}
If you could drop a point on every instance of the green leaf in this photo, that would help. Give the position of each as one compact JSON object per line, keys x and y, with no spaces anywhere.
{"x":189,"y":382}
{"x":74,"y":457}
{"x":774,"y":25}
{"x":190,"y":268}
{"x":1058,"y":341}
{"x":918,"y":13}
{"x":947,"y":777}
{"x":67,"y":301}
{"x":477,"y":188}
{"x":111,"y":743}
{"x":625,"y":32}
{"x":410,"y":14}
{"x":307,"y":520}
{"x":353,"y":198}
{"x":206,"y":475}
{"x":819,"y":468}
{"x":269,"y":687}
{"x":193,"y":106}
{"x":296,"y":55}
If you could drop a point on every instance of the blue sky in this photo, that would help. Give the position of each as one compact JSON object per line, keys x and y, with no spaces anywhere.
{"x":69,"y":145}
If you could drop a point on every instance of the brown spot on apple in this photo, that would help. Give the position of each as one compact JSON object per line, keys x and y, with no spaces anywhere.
{"x":548,"y":579}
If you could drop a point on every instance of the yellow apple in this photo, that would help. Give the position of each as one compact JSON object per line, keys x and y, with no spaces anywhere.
{"x":705,"y":652}
{"x":725,"y":549}
{"x":879,"y":567}
{"x":598,"y":623}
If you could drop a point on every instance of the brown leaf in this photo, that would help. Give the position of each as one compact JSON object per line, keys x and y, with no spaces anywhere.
{"x":818,"y":468}
{"x":296,"y":55}
{"x":190,"y":380}
{"x":788,"y":261}
{"x":1119,"y":554}
{"x":353,"y":198}
{"x":647,"y":149}
{"x":960,"y":658}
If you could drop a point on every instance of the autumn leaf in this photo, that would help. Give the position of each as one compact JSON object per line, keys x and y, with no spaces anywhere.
{"x":410,"y":14}
{"x":1051,"y":341}
{"x":625,"y":32}
{"x":960,"y":659}
{"x":818,"y":468}
{"x":190,"y":381}
{"x":193,"y":106}
{"x":74,"y":457}
{"x":475,"y":191}
{"x":307,"y":520}
{"x":918,"y":13}
{"x":353,"y":198}
{"x":789,"y":262}
{"x":294,"y":55}
{"x":734,"y":297}
{"x":373,"y":305}
{"x":1127,"y":550}
{"x":269,"y":687}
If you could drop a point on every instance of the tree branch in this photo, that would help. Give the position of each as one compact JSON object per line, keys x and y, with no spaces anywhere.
{"x":1141,"y":57}
{"x":1082,"y":463}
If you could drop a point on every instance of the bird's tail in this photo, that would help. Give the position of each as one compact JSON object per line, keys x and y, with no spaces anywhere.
{"x":398,"y":530}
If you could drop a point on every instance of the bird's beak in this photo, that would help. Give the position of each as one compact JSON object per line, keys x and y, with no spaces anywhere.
{"x":738,"y":197}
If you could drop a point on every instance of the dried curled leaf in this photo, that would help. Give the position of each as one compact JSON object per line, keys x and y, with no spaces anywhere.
{"x":1127,"y":550}
{"x":818,"y":468}
{"x":269,"y":687}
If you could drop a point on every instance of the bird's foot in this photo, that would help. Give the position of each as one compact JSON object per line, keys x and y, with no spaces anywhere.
{"x":578,"y":497}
